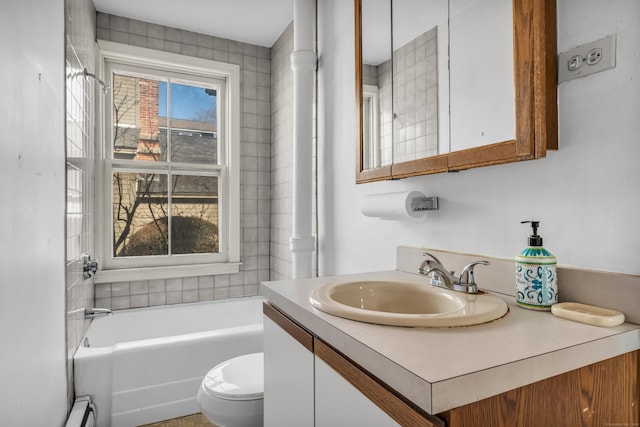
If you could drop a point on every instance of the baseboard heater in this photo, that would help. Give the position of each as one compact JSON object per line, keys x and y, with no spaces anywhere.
{"x":83,"y":413}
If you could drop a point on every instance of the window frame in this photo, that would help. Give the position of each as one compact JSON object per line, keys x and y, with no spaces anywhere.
{"x":371,"y":151}
{"x":228,"y":171}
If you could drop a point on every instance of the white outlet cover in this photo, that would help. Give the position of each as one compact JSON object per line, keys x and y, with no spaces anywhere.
{"x":608,"y":47}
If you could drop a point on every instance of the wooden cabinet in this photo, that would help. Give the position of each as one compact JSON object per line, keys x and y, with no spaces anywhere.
{"x":603,"y":394}
{"x":308,"y":383}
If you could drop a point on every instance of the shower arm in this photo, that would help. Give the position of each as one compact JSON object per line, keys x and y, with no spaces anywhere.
{"x":104,"y":86}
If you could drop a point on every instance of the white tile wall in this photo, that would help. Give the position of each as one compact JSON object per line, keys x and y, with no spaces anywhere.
{"x":80,"y":103}
{"x":386,"y":112}
{"x":415,"y":88}
{"x":369,"y":75}
{"x":281,"y":154}
{"x":415,"y":82}
{"x":255,"y":158}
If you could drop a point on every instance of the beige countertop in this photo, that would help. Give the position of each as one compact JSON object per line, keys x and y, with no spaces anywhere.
{"x":443,"y":368}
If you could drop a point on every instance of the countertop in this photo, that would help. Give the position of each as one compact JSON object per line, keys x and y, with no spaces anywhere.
{"x":443,"y":368}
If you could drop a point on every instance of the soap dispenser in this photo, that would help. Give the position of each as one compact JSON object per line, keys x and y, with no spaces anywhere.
{"x":536,"y":280}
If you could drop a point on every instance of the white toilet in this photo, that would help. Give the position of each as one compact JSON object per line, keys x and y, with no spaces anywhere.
{"x":232,"y":393}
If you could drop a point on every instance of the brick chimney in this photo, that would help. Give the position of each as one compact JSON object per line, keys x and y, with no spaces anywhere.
{"x":148,"y":147}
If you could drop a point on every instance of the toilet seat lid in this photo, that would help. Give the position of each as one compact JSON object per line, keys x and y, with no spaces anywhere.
{"x":240,"y":378}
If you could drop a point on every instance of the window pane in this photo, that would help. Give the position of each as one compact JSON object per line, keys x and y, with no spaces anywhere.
{"x":140,"y":211}
{"x":136,"y":118}
{"x":188,"y":146}
{"x":193,"y":124}
{"x":194,"y":207}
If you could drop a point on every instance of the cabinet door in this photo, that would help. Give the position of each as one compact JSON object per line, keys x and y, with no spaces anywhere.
{"x":347,"y":396}
{"x":288,"y":372}
{"x":338,"y":403}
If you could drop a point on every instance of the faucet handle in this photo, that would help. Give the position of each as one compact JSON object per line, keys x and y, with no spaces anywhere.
{"x":466,"y":276}
{"x":433,"y":257}
{"x":89,"y":266}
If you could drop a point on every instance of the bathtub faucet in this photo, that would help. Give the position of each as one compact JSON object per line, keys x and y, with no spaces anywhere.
{"x":90,"y":313}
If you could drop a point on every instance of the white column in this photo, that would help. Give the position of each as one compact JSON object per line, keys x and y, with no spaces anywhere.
{"x":303,"y":63}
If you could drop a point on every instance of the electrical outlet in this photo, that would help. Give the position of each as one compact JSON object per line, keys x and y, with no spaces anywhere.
{"x":575,"y":62}
{"x":587,"y":59}
{"x":594,"y":56}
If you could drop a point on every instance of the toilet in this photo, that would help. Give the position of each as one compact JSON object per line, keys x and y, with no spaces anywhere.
{"x":231,"y":394}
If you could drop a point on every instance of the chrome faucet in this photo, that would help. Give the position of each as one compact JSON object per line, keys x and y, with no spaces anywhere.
{"x":443,"y":278}
{"x":90,"y":313}
{"x":89,"y":266}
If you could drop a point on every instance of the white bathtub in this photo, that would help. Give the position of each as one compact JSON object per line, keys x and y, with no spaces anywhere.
{"x":145,"y":365}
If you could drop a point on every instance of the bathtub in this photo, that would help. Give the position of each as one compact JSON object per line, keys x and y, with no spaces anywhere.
{"x":145,"y":365}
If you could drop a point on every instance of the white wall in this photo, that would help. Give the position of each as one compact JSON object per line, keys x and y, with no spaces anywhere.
{"x":32,"y":214}
{"x":587,"y":194}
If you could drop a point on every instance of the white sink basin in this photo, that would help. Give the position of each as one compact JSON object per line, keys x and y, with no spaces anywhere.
{"x":406,"y":304}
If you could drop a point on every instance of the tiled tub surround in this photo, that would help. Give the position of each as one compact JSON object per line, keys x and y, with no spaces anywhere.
{"x":397,"y":356}
{"x":281,"y":155}
{"x":80,"y":106}
{"x":148,"y":293}
{"x":255,"y":160}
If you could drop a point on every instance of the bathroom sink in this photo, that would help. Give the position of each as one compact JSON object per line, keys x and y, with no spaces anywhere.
{"x":406,"y":304}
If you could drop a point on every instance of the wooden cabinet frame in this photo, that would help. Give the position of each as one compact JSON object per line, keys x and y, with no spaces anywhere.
{"x":536,"y":107}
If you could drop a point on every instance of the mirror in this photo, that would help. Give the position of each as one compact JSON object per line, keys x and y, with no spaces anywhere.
{"x":376,"y":84}
{"x":493,"y":106}
{"x":482,"y":107}
{"x":420,"y":79}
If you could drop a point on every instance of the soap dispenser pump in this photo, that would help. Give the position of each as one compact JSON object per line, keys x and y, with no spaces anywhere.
{"x":536,"y":280}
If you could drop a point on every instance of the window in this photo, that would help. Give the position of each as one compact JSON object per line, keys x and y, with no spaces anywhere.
{"x":168,"y":169}
{"x":370,"y":119}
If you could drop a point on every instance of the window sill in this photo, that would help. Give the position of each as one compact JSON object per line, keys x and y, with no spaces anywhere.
{"x":152,"y":273}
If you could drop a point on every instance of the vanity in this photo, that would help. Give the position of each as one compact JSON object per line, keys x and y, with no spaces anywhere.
{"x":525,"y":368}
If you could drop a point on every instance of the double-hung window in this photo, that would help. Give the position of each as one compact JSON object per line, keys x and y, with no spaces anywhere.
{"x":168,"y":178}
